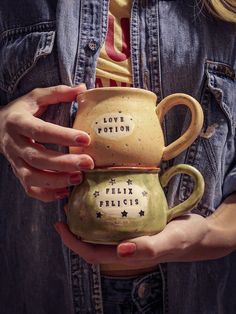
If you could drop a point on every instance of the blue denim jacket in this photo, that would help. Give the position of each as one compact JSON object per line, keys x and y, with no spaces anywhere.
{"x":175,"y":48}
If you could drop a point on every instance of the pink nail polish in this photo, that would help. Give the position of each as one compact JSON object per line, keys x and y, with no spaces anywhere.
{"x":85,"y":163}
{"x":75,"y":179}
{"x":83,"y":139}
{"x":126,"y":249}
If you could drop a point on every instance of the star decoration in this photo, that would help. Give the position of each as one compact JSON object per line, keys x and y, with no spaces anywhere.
{"x":124,"y":213}
{"x":99,"y":215}
{"x":96,"y":193}
{"x":144,"y":193}
{"x":141,"y":213}
{"x":112,"y":181}
{"x":129,"y":182}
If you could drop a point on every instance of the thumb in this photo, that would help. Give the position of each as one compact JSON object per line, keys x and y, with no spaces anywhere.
{"x":146,"y":248}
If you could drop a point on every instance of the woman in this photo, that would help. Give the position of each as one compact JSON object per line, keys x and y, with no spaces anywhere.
{"x":174,"y":47}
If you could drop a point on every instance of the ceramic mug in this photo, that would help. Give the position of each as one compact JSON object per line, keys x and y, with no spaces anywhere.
{"x":125,"y":126}
{"x":111,"y":206}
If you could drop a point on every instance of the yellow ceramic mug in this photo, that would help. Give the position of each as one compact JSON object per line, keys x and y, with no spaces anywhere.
{"x":125,"y":126}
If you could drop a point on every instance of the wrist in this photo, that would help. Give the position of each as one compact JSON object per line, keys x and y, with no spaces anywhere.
{"x":219,"y":240}
{"x":223,"y":223}
{"x":215,"y":243}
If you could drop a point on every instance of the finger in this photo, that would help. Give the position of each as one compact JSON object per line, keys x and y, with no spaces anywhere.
{"x":46,"y":195}
{"x":45,"y":132}
{"x":30,"y":176}
{"x":55,"y":94}
{"x":37,"y":156}
{"x":92,"y":253}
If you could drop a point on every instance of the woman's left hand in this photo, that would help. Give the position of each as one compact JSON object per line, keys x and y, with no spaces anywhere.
{"x":187,"y":238}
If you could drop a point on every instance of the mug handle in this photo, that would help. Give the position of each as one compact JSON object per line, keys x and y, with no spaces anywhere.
{"x":196,"y":195}
{"x":194,"y":129}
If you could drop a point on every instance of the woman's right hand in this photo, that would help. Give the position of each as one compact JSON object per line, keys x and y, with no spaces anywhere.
{"x":45,"y":174}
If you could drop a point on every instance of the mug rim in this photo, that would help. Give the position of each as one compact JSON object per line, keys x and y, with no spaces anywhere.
{"x":125,"y":169}
{"x":118,"y":88}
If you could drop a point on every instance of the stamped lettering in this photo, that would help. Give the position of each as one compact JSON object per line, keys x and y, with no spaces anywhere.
{"x":120,"y":199}
{"x":114,"y":125}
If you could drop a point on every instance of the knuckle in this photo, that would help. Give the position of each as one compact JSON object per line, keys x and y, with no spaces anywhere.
{"x":34,"y":93}
{"x":37,"y":131}
{"x":58,"y":89}
{"x":150,"y":249}
{"x":70,"y":158}
{"x":30,"y":155}
{"x":11,"y":119}
{"x":71,"y":161}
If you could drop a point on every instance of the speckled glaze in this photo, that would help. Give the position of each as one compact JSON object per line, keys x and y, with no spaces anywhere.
{"x":109,"y":207}
{"x":125,"y":126}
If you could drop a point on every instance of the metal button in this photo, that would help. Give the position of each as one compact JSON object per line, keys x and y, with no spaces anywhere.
{"x":92,"y":45}
{"x":144,"y":290}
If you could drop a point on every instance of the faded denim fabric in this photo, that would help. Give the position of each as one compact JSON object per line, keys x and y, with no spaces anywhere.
{"x":141,"y":294}
{"x":174,"y":48}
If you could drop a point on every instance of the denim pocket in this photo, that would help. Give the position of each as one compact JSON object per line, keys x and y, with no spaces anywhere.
{"x":20,"y":50}
{"x":220,"y":93}
{"x":142,"y":294}
{"x":213,"y":153}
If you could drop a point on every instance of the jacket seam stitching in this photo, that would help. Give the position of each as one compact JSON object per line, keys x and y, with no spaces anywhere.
{"x":28,"y":28}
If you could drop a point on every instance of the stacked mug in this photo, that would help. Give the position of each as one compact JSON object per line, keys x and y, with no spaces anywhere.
{"x":123,"y":197}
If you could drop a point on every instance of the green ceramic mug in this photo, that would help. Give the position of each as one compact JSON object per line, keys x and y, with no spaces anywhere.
{"x":111,"y":206}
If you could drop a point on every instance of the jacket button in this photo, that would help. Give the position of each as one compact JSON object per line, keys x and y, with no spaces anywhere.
{"x":92,"y":45}
{"x":144,"y":290}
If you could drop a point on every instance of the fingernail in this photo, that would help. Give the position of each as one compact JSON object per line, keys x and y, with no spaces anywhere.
{"x":85,"y":163}
{"x":75,"y":179}
{"x":126,"y":249}
{"x":62,"y":194}
{"x":83,"y":139}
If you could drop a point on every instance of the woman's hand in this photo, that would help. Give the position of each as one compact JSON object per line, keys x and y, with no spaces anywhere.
{"x":45,"y":174}
{"x":181,"y":240}
{"x":188,"y":238}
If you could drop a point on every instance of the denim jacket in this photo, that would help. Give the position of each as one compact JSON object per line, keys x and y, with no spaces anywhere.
{"x":174,"y":48}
